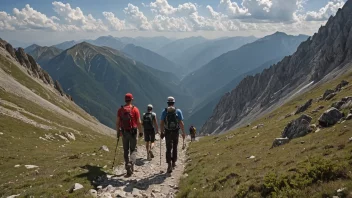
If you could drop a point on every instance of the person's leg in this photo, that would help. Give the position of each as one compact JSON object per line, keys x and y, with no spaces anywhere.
{"x":175,"y":136}
{"x":147,"y":143}
{"x":133,"y":147}
{"x":168,"y":140}
{"x":152,"y":140}
{"x":126,"y":147}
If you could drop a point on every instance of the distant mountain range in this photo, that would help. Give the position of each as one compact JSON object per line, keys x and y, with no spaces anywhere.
{"x":98,"y":77}
{"x":198,"y":55}
{"x":221,"y":70}
{"x":174,"y":49}
{"x":42,"y":54}
{"x":150,"y":58}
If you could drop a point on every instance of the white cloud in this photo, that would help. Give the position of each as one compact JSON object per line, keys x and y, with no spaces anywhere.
{"x":115,"y":23}
{"x":75,"y":17}
{"x":27,"y":18}
{"x":164,"y":8}
{"x":233,"y":9}
{"x":137,"y":17}
{"x":249,"y":15}
{"x":325,"y":12}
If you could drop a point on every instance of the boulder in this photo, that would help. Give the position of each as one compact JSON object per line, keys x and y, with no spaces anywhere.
{"x":338,"y":104}
{"x":341,"y":85}
{"x":30,"y":166}
{"x":104,"y":148}
{"x":75,"y":187}
{"x":330,"y":117}
{"x":93,"y":193}
{"x":330,"y":96}
{"x":304,"y":107}
{"x":327,"y":92}
{"x":280,"y":141}
{"x":70,"y":135}
{"x":349,"y":116}
{"x":297,"y":128}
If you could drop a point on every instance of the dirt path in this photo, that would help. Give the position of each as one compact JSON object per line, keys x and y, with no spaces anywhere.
{"x":149,"y":179}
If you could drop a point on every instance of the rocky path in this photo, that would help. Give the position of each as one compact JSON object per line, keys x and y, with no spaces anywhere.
{"x":149,"y":179}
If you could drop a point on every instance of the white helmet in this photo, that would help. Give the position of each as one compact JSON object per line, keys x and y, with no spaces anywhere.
{"x":170,"y":99}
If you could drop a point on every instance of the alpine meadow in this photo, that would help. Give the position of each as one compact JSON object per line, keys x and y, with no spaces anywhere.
{"x":176,"y":99}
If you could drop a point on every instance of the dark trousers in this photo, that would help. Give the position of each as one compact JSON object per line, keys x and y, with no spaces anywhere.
{"x":129,"y":146}
{"x":171,"y":138}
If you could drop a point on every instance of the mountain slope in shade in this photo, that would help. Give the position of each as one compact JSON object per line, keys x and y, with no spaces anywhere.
{"x":221,"y":70}
{"x":98,"y":77}
{"x":204,"y":109}
{"x":176,"y":48}
{"x":108,"y":41}
{"x":322,"y":56}
{"x":149,"y":58}
{"x":65,"y":45}
{"x":198,"y":55}
{"x":42,"y":54}
{"x":151,"y":43}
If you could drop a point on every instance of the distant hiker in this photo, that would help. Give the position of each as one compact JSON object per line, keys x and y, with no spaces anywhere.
{"x":170,"y":124}
{"x":192,"y":132}
{"x":128,"y":118}
{"x":150,"y":125}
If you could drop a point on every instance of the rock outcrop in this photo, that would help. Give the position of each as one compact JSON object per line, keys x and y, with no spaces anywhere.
{"x":341,"y":85}
{"x":304,"y":107}
{"x":330,"y":117}
{"x":32,"y":67}
{"x":297,"y":128}
{"x":328,"y":50}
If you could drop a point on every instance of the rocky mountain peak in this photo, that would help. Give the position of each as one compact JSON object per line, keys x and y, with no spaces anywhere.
{"x":31,"y":65}
{"x":328,"y":50}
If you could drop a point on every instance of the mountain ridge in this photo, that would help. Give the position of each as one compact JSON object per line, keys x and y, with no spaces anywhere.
{"x":328,"y":50}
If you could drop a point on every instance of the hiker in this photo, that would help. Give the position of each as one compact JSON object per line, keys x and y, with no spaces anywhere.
{"x":170,"y":124}
{"x":192,"y":132}
{"x":128,"y":119}
{"x":150,"y":125}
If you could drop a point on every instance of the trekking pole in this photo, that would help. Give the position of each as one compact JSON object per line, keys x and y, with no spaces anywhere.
{"x":183,"y":144}
{"x":117,"y":144}
{"x":160,"y":149}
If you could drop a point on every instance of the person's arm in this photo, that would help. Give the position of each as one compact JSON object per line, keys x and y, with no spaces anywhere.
{"x":182,"y":125}
{"x":139,"y":123}
{"x":162,"y":125}
{"x":156,"y":124}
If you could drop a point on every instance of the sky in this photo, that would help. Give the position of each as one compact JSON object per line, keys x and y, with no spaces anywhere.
{"x":50,"y":22}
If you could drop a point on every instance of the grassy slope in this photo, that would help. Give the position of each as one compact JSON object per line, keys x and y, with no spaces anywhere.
{"x":218,"y":165}
{"x":20,"y":144}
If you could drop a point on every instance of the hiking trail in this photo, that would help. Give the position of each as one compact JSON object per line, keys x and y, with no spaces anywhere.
{"x":149,"y":178}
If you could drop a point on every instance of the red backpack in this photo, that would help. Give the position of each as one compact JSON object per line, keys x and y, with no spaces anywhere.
{"x":126,"y":117}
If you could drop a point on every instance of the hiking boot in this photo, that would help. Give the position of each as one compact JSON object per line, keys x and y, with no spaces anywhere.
{"x":173,"y":165}
{"x":169,"y":168}
{"x":151,"y":154}
{"x":129,"y":168}
{"x":148,"y":157}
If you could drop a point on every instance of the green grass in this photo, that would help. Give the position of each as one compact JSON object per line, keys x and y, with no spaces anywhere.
{"x":59,"y":166}
{"x":28,"y":82}
{"x":312,"y":166}
{"x":20,"y":144}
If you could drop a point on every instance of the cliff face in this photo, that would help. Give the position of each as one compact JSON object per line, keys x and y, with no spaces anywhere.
{"x":325,"y":51}
{"x":32,"y":67}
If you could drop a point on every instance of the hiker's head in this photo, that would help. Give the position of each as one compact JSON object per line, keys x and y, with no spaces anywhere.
{"x":150,"y":108}
{"x":128,"y":98}
{"x":170,"y":101}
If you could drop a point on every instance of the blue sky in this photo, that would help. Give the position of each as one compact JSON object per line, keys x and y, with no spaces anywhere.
{"x":74,"y":19}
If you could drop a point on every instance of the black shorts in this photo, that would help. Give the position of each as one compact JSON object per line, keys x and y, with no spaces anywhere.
{"x":149,"y":135}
